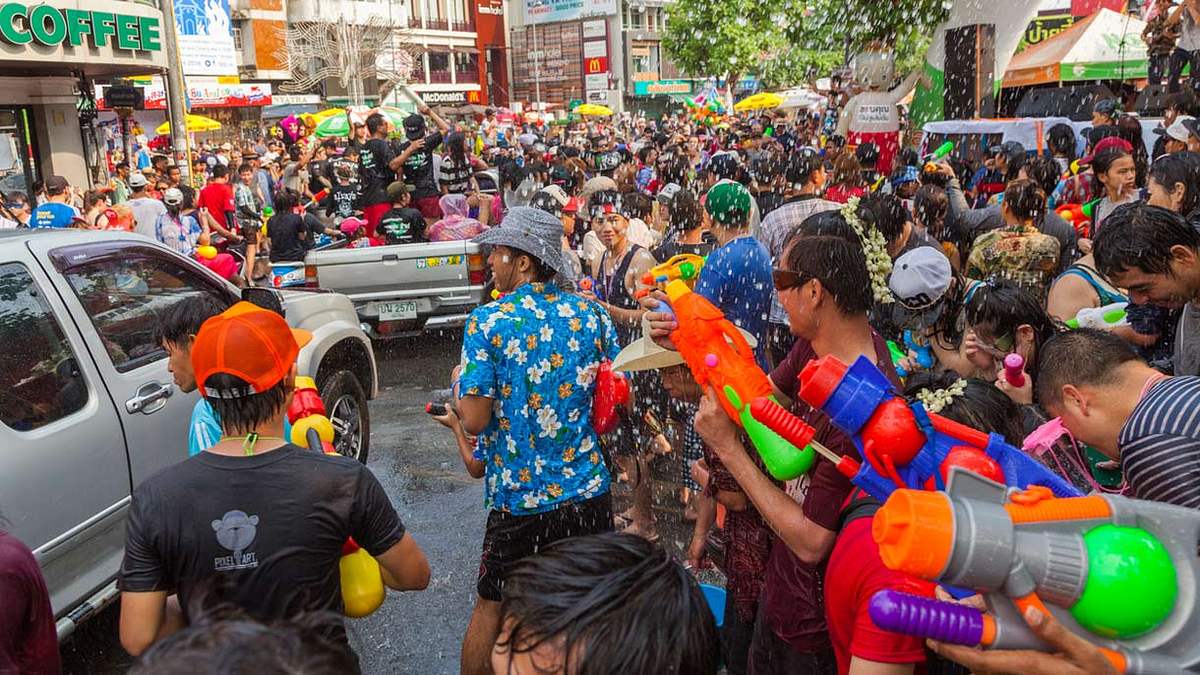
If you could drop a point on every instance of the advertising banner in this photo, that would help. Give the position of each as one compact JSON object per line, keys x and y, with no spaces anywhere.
{"x":205,"y":37}
{"x":550,"y":11}
{"x":202,"y":96}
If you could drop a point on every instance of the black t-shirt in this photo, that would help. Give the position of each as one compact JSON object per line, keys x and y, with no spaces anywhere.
{"x":317,"y":169}
{"x":671,"y":249}
{"x":315,"y":229}
{"x":287,"y":232}
{"x":343,"y":200}
{"x":418,"y":168}
{"x":402,"y":226}
{"x":373,"y":161}
{"x":264,"y":532}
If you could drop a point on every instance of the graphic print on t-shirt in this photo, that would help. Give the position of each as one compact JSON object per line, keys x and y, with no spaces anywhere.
{"x":236,"y":531}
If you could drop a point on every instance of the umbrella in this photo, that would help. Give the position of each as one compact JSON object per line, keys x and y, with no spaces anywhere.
{"x":395,"y":115}
{"x":592,"y":109}
{"x":327,"y":113}
{"x":762,"y":101}
{"x":193,"y":123}
{"x":333,"y":126}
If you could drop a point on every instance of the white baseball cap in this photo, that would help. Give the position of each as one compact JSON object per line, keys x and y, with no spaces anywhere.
{"x":1178,"y":131}
{"x":919,"y":281}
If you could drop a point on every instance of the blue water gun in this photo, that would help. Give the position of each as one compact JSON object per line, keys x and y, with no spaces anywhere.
{"x":904,"y":446}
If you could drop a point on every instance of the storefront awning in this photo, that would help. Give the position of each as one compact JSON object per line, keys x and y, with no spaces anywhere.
{"x":287,"y":109}
{"x":1105,"y":46}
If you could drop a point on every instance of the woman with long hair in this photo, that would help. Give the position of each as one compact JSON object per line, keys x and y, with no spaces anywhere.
{"x":847,"y":180}
{"x":1115,"y":175}
{"x":457,"y":172}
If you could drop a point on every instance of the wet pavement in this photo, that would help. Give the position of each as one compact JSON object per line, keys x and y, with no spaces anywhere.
{"x":418,"y":465}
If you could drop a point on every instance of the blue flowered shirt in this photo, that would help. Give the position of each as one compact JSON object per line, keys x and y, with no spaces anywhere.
{"x":536,"y":352}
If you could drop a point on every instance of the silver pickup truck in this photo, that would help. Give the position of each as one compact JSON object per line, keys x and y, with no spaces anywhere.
{"x":88,"y":409}
{"x":405,"y":289}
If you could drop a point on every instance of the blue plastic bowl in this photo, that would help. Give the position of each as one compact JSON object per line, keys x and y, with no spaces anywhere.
{"x":715,"y":595}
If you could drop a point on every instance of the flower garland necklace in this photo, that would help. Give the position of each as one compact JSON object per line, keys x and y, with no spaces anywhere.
{"x":879,"y":263}
{"x":935,"y":401}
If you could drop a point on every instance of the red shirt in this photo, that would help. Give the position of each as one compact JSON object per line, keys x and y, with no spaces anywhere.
{"x":855,"y":573}
{"x":28,"y":641}
{"x":842,"y":194}
{"x":792,"y":601}
{"x":218,"y":199}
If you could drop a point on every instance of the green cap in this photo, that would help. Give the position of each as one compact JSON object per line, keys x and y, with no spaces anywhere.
{"x":728,"y":203}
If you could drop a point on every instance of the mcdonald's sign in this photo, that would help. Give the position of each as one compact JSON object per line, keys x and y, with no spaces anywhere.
{"x":596,"y":64}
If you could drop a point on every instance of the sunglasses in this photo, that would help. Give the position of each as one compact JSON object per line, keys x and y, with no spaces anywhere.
{"x":786,"y":280}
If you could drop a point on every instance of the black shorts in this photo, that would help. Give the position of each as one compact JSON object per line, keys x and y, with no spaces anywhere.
{"x":510,"y":538}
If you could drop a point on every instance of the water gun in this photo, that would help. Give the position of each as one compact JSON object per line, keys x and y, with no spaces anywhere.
{"x":719,"y":356}
{"x":903,"y":445}
{"x":362,"y":580}
{"x":587,"y":283}
{"x":267,"y":214}
{"x":1103,"y":318}
{"x":685,"y":266}
{"x":1119,"y":572}
{"x":316,"y":199}
{"x":942,"y":152}
{"x":1079,"y":216}
{"x":612,"y":393}
{"x":925,"y":357}
{"x":1014,"y":370}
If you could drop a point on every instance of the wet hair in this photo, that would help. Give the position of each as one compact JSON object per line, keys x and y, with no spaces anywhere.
{"x":91,"y":197}
{"x":930,"y":206}
{"x":189,"y":197}
{"x":982,"y":405}
{"x":294,"y":153}
{"x":1139,"y":236}
{"x":609,"y":603}
{"x":226,"y":639}
{"x":847,"y":171}
{"x":220,"y":171}
{"x":890,"y":215}
{"x":182,"y":320}
{"x":1080,"y":357}
{"x":1044,"y":171}
{"x":1130,"y":129}
{"x":1006,"y":307}
{"x":456,"y":148}
{"x":1025,"y":199}
{"x":286,"y":200}
{"x":801,"y":166}
{"x":1101,"y":164}
{"x":1180,"y":168}
{"x":826,"y":248}
{"x":1100,"y":133}
{"x":685,"y":214}
{"x":636,"y":205}
{"x":643,"y":153}
{"x":246,"y":166}
{"x":1016,"y":162}
{"x":242,"y":414}
{"x":678,"y":171}
{"x":541,"y":271}
{"x":1061,"y":140}
{"x":1184,"y":102}
{"x":375,"y":123}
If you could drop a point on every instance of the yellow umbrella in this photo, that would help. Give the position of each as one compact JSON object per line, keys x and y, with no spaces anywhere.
{"x":762,"y":101}
{"x":593,"y":110}
{"x":194,"y":123}
{"x":329,"y":112}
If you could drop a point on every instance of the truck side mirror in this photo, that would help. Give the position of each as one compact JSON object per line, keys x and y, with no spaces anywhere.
{"x":264,"y":297}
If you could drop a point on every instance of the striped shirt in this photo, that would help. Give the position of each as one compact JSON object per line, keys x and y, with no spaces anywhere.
{"x":1160,"y":443}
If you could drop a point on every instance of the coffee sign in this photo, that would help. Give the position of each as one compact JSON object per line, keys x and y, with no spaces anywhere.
{"x":53,"y":27}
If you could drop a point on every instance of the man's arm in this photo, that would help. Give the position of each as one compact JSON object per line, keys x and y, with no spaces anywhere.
{"x":810,"y":542}
{"x":864,"y":667}
{"x":475,"y":412}
{"x":404,"y":566}
{"x":398,"y":161}
{"x":442,"y":125}
{"x":147,"y":618}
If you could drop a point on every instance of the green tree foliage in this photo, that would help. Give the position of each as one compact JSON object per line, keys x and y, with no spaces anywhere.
{"x":794,"y":41}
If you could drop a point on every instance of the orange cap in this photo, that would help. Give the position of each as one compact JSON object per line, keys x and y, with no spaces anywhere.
{"x":248,"y":342}
{"x":915,"y":532}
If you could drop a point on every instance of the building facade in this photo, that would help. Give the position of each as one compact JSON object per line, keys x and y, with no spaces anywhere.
{"x":54,"y":51}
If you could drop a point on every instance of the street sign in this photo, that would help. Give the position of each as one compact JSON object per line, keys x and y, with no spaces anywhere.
{"x":125,"y":97}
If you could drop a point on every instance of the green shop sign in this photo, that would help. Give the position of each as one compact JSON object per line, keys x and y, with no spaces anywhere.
{"x":52,"y":27}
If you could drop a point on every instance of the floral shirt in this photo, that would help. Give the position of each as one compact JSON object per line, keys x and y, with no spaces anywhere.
{"x":1018,"y":253}
{"x":536,"y":352}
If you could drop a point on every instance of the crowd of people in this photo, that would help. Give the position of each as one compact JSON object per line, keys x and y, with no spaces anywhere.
{"x":812,"y":248}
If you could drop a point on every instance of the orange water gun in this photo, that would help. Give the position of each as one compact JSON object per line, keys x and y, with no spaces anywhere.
{"x":362,"y":580}
{"x":719,"y":356}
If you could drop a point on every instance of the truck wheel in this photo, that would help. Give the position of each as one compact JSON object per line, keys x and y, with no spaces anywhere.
{"x":346,"y":405}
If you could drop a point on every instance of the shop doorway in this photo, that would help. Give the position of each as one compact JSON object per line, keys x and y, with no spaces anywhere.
{"x":18,"y":152}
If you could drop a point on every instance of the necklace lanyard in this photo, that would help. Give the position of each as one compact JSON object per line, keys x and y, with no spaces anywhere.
{"x":250,"y":440}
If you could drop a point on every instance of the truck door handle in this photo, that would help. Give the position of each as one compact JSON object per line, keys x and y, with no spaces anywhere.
{"x":391,"y":257}
{"x":150,"y":398}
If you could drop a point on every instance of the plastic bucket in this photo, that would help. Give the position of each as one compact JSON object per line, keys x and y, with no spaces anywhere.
{"x":715,"y":595}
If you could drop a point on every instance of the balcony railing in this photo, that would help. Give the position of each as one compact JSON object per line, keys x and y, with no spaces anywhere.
{"x":463,"y":26}
{"x":439,"y":76}
{"x":468,"y":76}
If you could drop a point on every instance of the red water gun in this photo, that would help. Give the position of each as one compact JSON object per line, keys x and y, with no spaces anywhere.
{"x":362,"y":580}
{"x":612,"y":393}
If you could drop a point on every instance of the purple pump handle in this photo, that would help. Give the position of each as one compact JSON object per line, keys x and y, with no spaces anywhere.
{"x":925,"y":617}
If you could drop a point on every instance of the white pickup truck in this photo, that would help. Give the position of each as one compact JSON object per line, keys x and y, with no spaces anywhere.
{"x":405,"y":289}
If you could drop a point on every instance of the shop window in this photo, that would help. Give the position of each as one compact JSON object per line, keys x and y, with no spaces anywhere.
{"x":237,"y":39}
{"x":439,"y":67}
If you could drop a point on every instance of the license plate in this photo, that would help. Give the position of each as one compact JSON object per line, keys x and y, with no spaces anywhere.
{"x":394,"y":311}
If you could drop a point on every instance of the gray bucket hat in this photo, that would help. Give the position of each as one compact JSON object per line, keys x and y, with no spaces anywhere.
{"x":533,"y":231}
